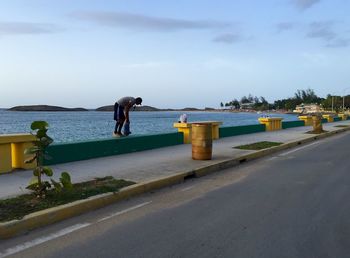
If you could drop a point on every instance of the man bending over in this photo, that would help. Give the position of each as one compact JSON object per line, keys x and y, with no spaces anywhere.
{"x":121,"y":114}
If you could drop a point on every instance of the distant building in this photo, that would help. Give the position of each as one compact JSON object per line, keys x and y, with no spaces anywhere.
{"x":308,"y":109}
{"x":249,"y":105}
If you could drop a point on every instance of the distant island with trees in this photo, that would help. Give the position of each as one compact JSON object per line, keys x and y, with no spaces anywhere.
{"x":246,"y":103}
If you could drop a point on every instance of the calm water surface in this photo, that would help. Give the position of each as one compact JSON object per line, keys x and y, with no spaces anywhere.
{"x":91,"y":125}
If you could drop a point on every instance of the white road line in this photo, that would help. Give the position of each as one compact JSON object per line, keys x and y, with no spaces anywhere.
{"x":65,"y":231}
{"x":40,"y":240}
{"x":124,"y":211}
{"x":297,"y":149}
{"x":187,"y":188}
{"x":272,"y":158}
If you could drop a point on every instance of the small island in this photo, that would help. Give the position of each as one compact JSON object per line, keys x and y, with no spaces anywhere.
{"x":45,"y":108}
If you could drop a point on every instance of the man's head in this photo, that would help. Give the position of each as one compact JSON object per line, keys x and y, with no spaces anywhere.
{"x":138,"y":101}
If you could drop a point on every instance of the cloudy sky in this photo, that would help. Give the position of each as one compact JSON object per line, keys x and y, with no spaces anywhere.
{"x":184,"y":53}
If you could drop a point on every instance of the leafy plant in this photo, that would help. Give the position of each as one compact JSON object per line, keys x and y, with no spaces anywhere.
{"x":37,"y":184}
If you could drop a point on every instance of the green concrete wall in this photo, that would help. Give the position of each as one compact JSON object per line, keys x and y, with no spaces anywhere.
{"x":238,"y":130}
{"x":290,"y":124}
{"x":68,"y":152}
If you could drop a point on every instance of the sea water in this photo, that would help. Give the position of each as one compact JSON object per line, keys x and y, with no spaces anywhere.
{"x":92,"y":125}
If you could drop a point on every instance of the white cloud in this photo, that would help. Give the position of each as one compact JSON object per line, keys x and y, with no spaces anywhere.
{"x":20,"y":28}
{"x":322,"y":30}
{"x":144,"y":22}
{"x":304,"y":4}
{"x":228,"y":38}
{"x":339,"y":42}
{"x":325,"y":32}
{"x":285,"y":26}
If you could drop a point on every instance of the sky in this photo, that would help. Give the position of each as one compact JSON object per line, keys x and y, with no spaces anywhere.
{"x":173,"y":54}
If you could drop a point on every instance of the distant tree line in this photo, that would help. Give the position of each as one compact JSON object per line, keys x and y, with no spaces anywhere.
{"x":257,"y":103}
{"x":307,"y":96}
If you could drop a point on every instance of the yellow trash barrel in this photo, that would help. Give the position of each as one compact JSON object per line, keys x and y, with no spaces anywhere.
{"x":316,"y":124}
{"x":202,"y":141}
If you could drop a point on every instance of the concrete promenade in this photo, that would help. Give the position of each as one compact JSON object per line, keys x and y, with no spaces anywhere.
{"x":152,"y":164}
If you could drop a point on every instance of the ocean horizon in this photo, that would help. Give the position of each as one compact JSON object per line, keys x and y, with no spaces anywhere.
{"x":72,"y":126}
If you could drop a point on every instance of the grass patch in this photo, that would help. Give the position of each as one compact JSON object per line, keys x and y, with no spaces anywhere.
{"x":258,"y":145}
{"x":341,"y":126}
{"x":18,"y":207}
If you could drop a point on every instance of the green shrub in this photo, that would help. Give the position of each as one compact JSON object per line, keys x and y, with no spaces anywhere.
{"x":37,"y":184}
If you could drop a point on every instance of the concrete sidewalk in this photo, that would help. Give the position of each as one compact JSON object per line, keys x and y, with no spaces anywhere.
{"x":152,"y":164}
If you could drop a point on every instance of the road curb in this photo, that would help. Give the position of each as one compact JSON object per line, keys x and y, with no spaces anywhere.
{"x":52,"y":215}
{"x":59,"y":213}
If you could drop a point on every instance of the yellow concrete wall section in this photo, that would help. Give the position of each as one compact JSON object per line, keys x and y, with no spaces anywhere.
{"x":186,"y":129}
{"x":215,"y":130}
{"x":13,"y":138}
{"x":343,"y":116}
{"x":5,"y":157}
{"x":18,"y":156}
{"x":329,"y":118}
{"x":306,"y":119}
{"x":271,"y":123}
{"x":12,"y":148}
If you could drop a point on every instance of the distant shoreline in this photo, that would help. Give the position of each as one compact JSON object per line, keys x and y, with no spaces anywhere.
{"x":48,"y":108}
{"x":110,"y":108}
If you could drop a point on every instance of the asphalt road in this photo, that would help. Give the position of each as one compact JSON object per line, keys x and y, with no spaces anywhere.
{"x":293,"y":204}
